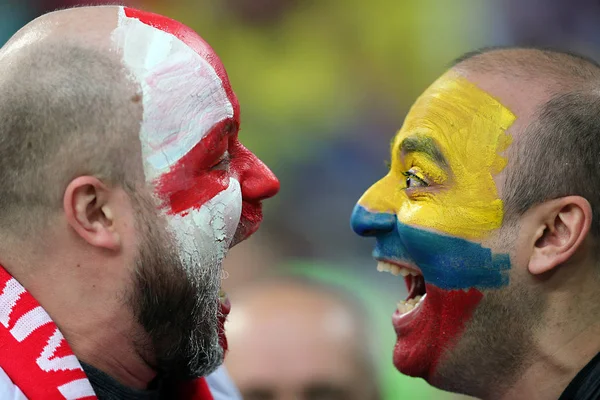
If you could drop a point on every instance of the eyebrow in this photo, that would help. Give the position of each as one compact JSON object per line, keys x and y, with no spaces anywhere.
{"x":426,"y":146}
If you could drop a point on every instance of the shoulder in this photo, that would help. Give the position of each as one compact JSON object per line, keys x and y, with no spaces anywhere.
{"x":221,"y":386}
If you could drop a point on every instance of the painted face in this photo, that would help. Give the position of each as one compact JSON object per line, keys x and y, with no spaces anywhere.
{"x":433,"y":210}
{"x":209,"y":184}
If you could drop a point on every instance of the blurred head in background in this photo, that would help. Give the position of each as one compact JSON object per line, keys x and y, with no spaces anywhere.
{"x":294,"y":339}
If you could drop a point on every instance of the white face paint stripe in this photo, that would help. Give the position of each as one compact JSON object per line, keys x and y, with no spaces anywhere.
{"x":208,"y":231}
{"x":182,"y":95}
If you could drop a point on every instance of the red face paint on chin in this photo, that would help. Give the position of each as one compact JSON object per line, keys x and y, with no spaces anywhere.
{"x":426,"y":333}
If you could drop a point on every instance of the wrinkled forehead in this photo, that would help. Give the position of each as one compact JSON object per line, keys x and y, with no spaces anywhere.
{"x":454,"y":117}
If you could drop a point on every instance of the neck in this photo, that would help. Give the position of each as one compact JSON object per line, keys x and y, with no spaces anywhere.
{"x":556,"y":367}
{"x":95,"y":320}
{"x":111,"y":351}
{"x":567,"y":342}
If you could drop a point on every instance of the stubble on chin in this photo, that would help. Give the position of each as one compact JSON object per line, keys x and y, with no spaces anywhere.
{"x":497,"y":344}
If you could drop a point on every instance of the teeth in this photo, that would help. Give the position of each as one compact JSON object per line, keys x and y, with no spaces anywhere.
{"x":383,"y":266}
{"x":406,"y":306}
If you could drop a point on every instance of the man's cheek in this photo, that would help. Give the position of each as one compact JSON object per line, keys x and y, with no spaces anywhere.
{"x":454,"y":309}
{"x":204,"y":234}
{"x":450,"y":262}
{"x":188,"y":192}
{"x":191,"y":181}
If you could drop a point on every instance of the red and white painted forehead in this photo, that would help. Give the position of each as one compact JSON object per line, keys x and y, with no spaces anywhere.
{"x":188,"y":36}
{"x":185,"y":89}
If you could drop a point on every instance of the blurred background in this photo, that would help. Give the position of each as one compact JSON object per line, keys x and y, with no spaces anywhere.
{"x":323,"y":86}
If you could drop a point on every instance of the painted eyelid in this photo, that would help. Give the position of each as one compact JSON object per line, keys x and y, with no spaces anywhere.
{"x":417,"y":174}
{"x":434,"y":174}
{"x":224,"y":158}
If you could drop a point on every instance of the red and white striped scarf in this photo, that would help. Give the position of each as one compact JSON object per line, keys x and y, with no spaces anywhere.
{"x":37,"y":358}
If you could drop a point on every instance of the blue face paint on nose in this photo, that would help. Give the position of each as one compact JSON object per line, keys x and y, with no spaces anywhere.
{"x":447,"y":262}
{"x":384,"y":227}
{"x":366,"y":223}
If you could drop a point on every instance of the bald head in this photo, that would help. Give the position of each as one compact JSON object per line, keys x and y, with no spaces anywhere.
{"x":556,"y":98}
{"x":66,"y":109}
{"x":91,"y":26}
{"x":557,"y":67}
{"x":294,"y":339}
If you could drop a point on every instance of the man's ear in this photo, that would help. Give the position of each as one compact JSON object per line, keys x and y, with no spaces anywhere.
{"x":89,"y":211}
{"x":563,"y":225}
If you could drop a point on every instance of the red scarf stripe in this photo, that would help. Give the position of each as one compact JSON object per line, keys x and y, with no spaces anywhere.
{"x":37,"y":358}
{"x":28,"y":340}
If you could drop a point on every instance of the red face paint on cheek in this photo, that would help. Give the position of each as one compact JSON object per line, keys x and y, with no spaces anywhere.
{"x":426,"y":333}
{"x":194,"y":41}
{"x":192,"y":181}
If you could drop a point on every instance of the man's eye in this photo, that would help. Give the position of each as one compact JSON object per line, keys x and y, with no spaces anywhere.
{"x":222,"y":162}
{"x":413,"y":181}
{"x":229,"y":128}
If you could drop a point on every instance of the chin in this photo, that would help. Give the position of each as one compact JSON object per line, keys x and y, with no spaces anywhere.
{"x":428,"y":331}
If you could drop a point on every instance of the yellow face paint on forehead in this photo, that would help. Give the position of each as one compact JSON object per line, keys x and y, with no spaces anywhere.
{"x":452,"y":140}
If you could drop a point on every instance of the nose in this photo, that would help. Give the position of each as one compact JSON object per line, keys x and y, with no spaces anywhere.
{"x":257,"y":181}
{"x":367,"y":223}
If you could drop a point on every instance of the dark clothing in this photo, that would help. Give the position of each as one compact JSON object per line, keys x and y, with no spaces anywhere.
{"x":107,"y":388}
{"x":586,"y":384}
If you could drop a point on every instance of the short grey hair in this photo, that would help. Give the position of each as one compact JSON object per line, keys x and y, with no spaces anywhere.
{"x":66,"y":110}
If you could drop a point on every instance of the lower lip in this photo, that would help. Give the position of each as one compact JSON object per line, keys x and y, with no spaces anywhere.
{"x":403,"y":320}
{"x":425,"y":333}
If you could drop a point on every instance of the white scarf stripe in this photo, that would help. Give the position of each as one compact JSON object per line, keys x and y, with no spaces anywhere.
{"x":29,"y":322}
{"x":76,"y":389}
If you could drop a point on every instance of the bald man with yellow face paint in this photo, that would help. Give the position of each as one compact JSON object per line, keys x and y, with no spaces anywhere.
{"x":491,"y":214}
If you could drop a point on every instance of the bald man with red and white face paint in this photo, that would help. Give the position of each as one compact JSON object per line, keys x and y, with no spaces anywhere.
{"x":123,"y":185}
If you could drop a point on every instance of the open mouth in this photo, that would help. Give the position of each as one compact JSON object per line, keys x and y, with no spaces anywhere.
{"x":415,"y":284}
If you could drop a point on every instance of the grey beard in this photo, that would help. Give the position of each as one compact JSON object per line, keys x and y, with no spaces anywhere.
{"x":178,"y":309}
